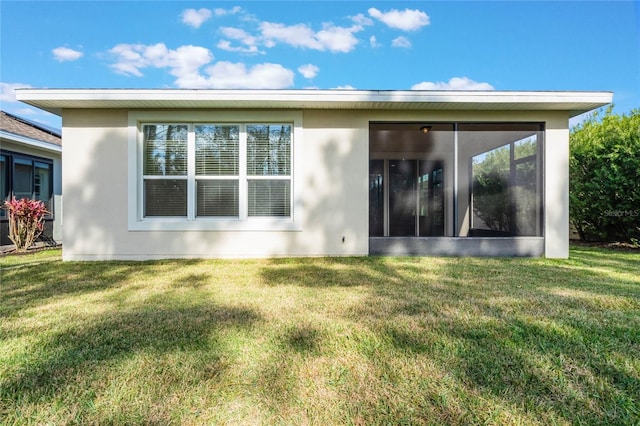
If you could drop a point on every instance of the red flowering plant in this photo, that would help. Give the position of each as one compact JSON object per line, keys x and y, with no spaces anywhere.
{"x":26,"y":221}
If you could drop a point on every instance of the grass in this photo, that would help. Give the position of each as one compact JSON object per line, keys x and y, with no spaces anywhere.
{"x":321,"y":341}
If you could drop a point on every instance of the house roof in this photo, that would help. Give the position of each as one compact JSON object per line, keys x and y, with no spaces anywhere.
{"x":21,"y":130}
{"x":55,"y":100}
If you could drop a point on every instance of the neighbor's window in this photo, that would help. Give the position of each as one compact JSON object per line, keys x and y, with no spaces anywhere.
{"x":23,"y":176}
{"x":213,"y":170}
{"x":4,"y":183}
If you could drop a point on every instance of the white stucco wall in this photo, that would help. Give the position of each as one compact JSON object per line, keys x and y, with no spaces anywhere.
{"x":332,"y":172}
{"x":556,"y":187}
{"x":333,"y":175}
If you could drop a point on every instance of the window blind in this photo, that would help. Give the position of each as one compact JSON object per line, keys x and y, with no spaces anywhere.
{"x":217,"y":198}
{"x":165,"y":197}
{"x":269,"y":150}
{"x":217,"y":149}
{"x":165,"y":150}
{"x":196,"y":170}
{"x":269,"y":198}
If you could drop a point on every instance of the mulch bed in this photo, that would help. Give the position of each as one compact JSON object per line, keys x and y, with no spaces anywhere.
{"x":10,"y":251}
{"x":608,"y":245}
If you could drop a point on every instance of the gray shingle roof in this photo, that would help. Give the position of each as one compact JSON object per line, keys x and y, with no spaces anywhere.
{"x":19,"y":126}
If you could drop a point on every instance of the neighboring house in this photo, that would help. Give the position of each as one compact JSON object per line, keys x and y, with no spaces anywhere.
{"x":31,"y":167}
{"x":260,"y":173}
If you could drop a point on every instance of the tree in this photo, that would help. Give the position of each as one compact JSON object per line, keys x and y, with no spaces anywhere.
{"x":604,"y":171}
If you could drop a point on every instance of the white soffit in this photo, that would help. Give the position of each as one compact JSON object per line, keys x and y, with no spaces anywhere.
{"x":55,"y":100}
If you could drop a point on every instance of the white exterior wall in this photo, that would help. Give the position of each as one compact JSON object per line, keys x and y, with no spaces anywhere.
{"x":333,"y":175}
{"x":332,"y":172}
{"x":556,"y":188}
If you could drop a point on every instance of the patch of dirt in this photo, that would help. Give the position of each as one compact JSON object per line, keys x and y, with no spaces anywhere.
{"x":10,"y":251}
{"x":622,"y":246}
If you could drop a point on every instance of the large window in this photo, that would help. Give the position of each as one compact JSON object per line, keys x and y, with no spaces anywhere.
{"x":455,"y":179}
{"x":217,"y":170}
{"x":24,"y":176}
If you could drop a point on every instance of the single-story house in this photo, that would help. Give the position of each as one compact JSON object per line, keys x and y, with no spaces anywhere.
{"x":30,"y":167}
{"x":258,"y":173}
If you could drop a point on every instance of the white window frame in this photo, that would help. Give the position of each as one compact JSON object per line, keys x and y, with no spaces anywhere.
{"x":136,"y":219}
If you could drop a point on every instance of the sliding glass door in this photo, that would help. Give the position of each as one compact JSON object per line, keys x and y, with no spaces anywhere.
{"x":411,"y":203}
{"x":430,"y":199}
{"x":376,"y":198}
{"x":402,"y":198}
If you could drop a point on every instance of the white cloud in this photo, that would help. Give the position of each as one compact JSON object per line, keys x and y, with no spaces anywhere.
{"x":455,"y":83}
{"x":183,"y":62}
{"x":338,"y":39}
{"x":227,"y":75}
{"x":401,"y":42}
{"x":579,"y":119}
{"x":308,"y":71}
{"x":8,"y":91}
{"x":295,"y":35}
{"x":12,"y":106}
{"x":406,"y":20}
{"x":194,"y":18}
{"x":238,"y":34}
{"x":226,"y":45}
{"x":374,"y":42}
{"x":29,"y":112}
{"x":224,"y":12}
{"x":62,"y":54}
{"x":362,"y":20}
{"x":332,"y":38}
{"x":345,"y":87}
{"x":250,"y":42}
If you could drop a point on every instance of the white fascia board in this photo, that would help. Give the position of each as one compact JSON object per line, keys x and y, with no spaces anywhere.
{"x":482,"y":96}
{"x":34,"y":143}
{"x":54,"y":100}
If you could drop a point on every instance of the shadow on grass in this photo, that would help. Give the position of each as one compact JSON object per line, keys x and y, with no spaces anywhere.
{"x":549,"y":354}
{"x":620,"y":260}
{"x":317,"y":273}
{"x":547,"y":372}
{"x":494,"y":326}
{"x":89,"y":350}
{"x":32,"y":284}
{"x":547,"y":341}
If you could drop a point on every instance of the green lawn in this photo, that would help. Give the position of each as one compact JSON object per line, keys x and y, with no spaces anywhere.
{"x":321,"y":341}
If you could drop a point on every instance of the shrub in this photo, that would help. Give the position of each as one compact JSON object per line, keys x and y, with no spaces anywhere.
{"x":26,"y":221}
{"x":604,"y":170}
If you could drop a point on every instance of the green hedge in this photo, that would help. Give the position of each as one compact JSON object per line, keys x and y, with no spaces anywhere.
{"x":605,"y":177}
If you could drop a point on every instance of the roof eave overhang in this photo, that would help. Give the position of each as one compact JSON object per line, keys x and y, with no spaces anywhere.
{"x":31,"y":142}
{"x":56,"y":100}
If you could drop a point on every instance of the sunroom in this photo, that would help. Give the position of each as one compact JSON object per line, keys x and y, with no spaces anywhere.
{"x":456,"y":188}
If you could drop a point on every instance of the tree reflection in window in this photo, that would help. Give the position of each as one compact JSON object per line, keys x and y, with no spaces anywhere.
{"x":505,"y":190}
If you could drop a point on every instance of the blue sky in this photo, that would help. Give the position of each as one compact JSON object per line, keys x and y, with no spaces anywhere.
{"x":516,"y":45}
